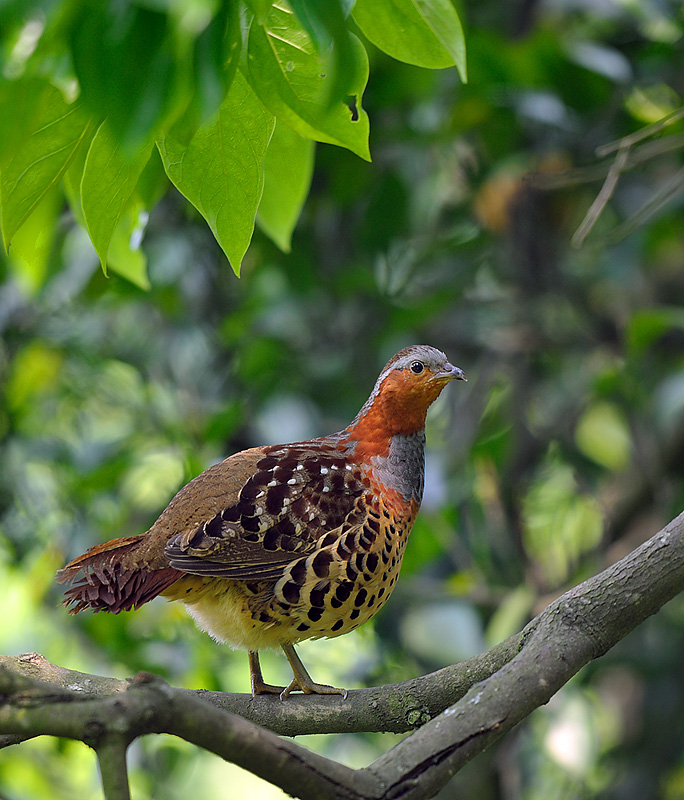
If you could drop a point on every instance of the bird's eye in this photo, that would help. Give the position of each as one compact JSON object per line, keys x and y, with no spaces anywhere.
{"x":417,"y":367}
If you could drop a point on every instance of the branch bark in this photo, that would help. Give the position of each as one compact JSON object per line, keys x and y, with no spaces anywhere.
{"x":393,"y":708}
{"x":496,"y":691}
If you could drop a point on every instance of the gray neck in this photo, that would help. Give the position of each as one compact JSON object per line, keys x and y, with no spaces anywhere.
{"x":404,"y":468}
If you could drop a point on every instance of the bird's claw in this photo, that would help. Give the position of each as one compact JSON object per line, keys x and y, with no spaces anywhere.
{"x":311,"y":688}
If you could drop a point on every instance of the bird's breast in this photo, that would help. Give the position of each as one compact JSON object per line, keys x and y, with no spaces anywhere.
{"x":402,"y":470}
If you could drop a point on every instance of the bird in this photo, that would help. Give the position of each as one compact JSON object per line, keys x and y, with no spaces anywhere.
{"x":282,"y":543}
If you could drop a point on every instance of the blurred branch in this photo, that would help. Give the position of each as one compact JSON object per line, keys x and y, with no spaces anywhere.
{"x":524,"y":672}
{"x":648,"y":209}
{"x":601,"y":198}
{"x":596,"y":172}
{"x":640,"y":135}
{"x":626,"y":158}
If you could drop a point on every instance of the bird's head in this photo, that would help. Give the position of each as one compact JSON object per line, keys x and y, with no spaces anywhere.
{"x":407,"y":386}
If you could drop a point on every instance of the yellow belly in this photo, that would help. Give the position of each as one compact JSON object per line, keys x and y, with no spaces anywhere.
{"x":220,"y":607}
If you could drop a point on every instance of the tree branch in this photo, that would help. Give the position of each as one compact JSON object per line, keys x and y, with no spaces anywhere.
{"x":393,"y":708}
{"x":111,"y":756}
{"x":524,"y":672}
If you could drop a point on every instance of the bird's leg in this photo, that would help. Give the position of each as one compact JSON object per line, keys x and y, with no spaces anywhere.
{"x":256,"y":678}
{"x":302,"y":679}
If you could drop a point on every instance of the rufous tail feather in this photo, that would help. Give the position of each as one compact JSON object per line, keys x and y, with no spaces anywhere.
{"x":106,"y":578}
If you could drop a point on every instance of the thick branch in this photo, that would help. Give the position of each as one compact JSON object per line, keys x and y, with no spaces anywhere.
{"x":393,"y":708}
{"x":578,"y":627}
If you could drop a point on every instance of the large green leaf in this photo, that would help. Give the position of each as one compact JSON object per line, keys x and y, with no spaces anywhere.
{"x":423,"y":32}
{"x":20,"y":105}
{"x":221,"y":171}
{"x":58,"y":131}
{"x":71,"y":184}
{"x":293,"y":81}
{"x":288,"y":168}
{"x":153,"y":182}
{"x":127,"y":66}
{"x":216,"y":55}
{"x":126,"y":256}
{"x":260,"y":8}
{"x":326,"y":22}
{"x":124,"y":253}
{"x":33,"y":243}
{"x":108,"y":182}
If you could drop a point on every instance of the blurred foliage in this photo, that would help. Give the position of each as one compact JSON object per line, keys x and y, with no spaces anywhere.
{"x":563,"y":452}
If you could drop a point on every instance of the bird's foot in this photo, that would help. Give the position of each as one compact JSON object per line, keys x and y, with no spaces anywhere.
{"x":256,"y":679}
{"x":302,"y":680}
{"x":309,"y":687}
{"x":260,"y":687}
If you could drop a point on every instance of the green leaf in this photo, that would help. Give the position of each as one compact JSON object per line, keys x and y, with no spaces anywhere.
{"x":107,"y":185}
{"x":326,"y":22}
{"x":33,"y":242}
{"x":58,"y":132}
{"x":126,"y":64}
{"x":293,"y":81}
{"x":288,"y":168}
{"x":602,"y":434}
{"x":126,"y":256}
{"x":153,"y":182}
{"x":216,"y":55}
{"x":427,"y":33}
{"x":220,"y":170}
{"x":649,"y":325}
{"x":260,"y":9}
{"x":21,"y":102}
{"x":71,"y":183}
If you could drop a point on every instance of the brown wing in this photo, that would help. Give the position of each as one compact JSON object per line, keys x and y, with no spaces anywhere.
{"x":296,"y":495}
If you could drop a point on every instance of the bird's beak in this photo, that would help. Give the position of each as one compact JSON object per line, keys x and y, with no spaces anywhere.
{"x":450,"y":373}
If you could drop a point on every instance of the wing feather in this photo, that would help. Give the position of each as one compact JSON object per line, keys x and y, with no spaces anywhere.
{"x":296,"y":495}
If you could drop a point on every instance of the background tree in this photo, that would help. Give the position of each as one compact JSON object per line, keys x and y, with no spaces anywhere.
{"x":563,"y":454}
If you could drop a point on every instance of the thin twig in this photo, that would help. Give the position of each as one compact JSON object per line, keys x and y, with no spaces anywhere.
{"x":641,"y":134}
{"x":579,"y":176}
{"x":601,"y":198}
{"x":649,"y":208}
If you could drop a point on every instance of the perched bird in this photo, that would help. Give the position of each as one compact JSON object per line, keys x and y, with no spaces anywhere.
{"x":287,"y":542}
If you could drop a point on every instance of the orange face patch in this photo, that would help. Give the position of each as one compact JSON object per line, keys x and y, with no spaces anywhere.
{"x":399,"y":408}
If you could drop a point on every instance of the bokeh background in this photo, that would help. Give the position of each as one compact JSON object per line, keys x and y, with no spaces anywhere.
{"x":563,"y":452}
